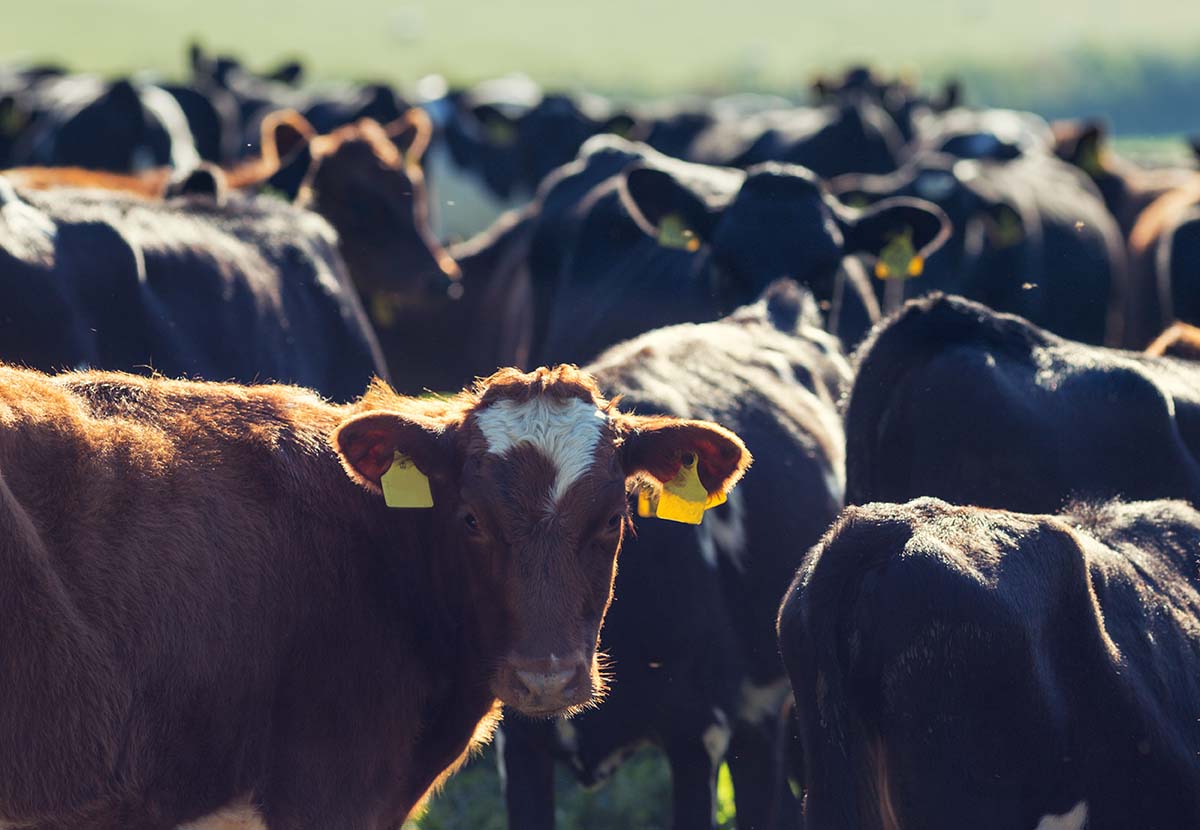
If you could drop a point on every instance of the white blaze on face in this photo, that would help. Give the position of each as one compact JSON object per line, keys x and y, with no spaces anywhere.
{"x":1075,"y":819}
{"x":566,"y":432}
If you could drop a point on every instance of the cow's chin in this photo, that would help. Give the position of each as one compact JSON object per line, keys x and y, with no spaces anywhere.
{"x":562,"y":693}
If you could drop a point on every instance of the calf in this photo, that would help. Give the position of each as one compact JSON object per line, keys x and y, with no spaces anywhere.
{"x":209,"y":606}
{"x":962,"y":667}
{"x":951,"y":399}
{"x":250,"y":289}
{"x":693,"y":667}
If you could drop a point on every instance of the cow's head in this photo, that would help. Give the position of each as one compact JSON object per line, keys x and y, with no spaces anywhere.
{"x":530,"y":475}
{"x":783,"y":221}
{"x":366,"y":179}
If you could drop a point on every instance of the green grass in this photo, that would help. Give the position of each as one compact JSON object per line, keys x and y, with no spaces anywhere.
{"x":637,"y":798}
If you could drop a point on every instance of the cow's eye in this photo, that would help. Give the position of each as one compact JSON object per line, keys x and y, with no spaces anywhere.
{"x":614,"y":521}
{"x":471,"y":522}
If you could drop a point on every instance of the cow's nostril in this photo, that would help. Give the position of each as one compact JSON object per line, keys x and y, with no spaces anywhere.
{"x":542,"y":684}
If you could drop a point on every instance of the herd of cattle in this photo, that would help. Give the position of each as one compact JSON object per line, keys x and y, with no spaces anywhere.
{"x":212,"y":613}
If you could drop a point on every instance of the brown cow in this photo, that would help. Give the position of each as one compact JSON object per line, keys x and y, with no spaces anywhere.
{"x":1153,"y":263}
{"x":205,"y":603}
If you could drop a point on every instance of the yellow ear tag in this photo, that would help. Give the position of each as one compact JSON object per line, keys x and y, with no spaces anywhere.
{"x":673,"y":233}
{"x":898,"y":258}
{"x":647,"y":504}
{"x":404,"y":485}
{"x":683,"y":498}
{"x":383,"y":310}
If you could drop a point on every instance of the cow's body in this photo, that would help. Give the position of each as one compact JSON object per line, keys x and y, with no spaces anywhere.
{"x":956,"y":401}
{"x":690,"y":638}
{"x":252,"y":290}
{"x":955,"y":666}
{"x":223,"y":613}
{"x":202,"y":610}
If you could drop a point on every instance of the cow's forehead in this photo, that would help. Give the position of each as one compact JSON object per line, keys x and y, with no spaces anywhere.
{"x":566,"y":431}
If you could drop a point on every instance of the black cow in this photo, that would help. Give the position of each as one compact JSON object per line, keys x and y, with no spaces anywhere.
{"x":494,"y":143}
{"x":962,"y":667}
{"x":627,"y":240}
{"x":213,"y":119}
{"x":982,"y":134}
{"x":1031,"y":237}
{"x":898,"y":96}
{"x":120,"y":127}
{"x":953,"y":400}
{"x":690,"y":636}
{"x":854,"y":136}
{"x":248,"y":290}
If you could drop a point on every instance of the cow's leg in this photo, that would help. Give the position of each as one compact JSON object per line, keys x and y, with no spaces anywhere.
{"x":764,"y":799}
{"x":695,"y":756}
{"x":526,"y":773}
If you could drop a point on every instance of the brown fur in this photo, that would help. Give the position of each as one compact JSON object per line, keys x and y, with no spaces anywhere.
{"x":1180,"y":340}
{"x":198,"y":607}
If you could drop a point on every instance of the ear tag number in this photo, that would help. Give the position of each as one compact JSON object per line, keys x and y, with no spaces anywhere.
{"x":673,"y":233}
{"x":404,"y":485}
{"x":898,"y":259}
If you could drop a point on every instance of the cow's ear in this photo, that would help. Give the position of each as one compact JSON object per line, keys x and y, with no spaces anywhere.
{"x":666,"y":210}
{"x":288,"y":72}
{"x":923,"y":225}
{"x":285,"y":134}
{"x":367,"y":445}
{"x":659,"y":446}
{"x":1084,"y":148}
{"x":411,"y":134}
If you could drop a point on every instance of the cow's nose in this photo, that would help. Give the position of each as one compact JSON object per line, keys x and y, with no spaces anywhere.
{"x":546,"y":684}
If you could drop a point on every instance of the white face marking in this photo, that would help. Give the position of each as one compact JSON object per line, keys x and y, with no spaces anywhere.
{"x":241,"y":815}
{"x":566,"y":432}
{"x":723,"y":532}
{"x":1075,"y":819}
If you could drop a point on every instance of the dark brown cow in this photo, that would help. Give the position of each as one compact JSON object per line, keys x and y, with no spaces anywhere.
{"x":205,"y":603}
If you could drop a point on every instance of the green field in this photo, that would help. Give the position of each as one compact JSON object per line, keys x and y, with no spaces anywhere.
{"x":1138,"y":62}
